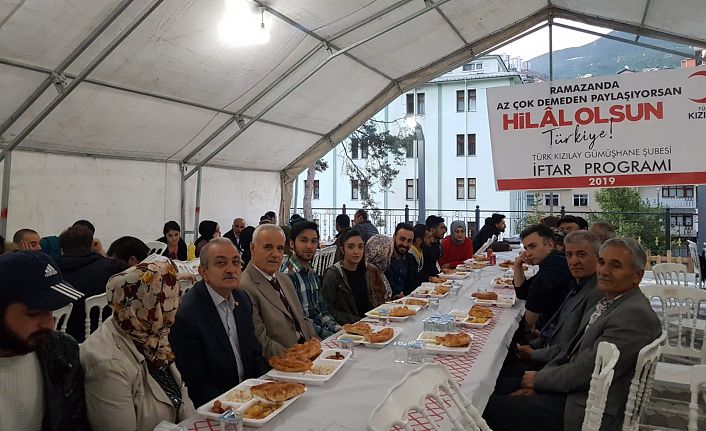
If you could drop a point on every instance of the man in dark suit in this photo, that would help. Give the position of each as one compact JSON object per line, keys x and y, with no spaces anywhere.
{"x":213,"y":338}
{"x":555,"y":397}
{"x":234,"y":234}
{"x":278,"y":316}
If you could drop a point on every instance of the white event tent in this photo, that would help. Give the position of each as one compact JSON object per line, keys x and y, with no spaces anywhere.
{"x":118,"y":110}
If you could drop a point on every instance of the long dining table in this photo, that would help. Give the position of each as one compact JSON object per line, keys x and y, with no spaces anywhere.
{"x":346,"y":401}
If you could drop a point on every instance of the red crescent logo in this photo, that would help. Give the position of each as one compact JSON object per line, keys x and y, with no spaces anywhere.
{"x":699,"y":73}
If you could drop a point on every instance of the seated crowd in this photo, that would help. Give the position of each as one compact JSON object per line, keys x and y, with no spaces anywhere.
{"x":157,"y":354}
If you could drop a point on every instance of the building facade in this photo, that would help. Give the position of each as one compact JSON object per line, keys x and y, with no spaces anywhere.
{"x":452,"y":113}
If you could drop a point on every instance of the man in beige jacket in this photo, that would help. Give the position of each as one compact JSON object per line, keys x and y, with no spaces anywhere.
{"x":278,"y":316}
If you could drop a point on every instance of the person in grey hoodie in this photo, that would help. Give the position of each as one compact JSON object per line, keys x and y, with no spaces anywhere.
{"x":363,"y":225}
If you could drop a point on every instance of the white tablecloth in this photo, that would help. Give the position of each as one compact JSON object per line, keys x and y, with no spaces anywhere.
{"x":346,"y":401}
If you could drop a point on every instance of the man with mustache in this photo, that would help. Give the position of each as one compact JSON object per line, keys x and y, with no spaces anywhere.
{"x":554,"y":398}
{"x":213,"y":338}
{"x":402,"y":272}
{"x":40,"y":371}
{"x":278,"y":316}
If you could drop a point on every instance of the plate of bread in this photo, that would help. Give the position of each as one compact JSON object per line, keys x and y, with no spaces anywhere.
{"x":395,"y":311}
{"x":446,"y":343}
{"x":420,"y":302}
{"x":489,"y":299}
{"x":464,"y":318}
{"x":307,"y":363}
{"x":502,"y":282}
{"x":370,"y":335}
{"x":432,"y":290}
{"x":259,"y":401}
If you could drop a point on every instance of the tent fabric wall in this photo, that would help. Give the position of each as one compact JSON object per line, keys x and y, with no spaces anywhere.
{"x":48,"y":192}
{"x":171,"y":91}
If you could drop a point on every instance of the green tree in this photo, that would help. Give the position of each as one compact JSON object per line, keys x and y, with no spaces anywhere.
{"x":632,"y":217}
{"x":375,"y":166}
{"x":318,"y":166}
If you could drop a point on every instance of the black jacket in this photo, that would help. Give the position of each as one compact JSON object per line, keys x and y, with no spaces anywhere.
{"x":483,"y":235}
{"x":366,"y":229}
{"x":431,"y":254}
{"x":181,"y":249}
{"x":201,"y":347}
{"x":88,"y":273}
{"x":235,"y":240}
{"x":402,"y":274}
{"x":64,"y":396}
{"x":545,"y":291}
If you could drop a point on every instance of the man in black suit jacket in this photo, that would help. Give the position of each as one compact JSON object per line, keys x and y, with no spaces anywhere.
{"x":213,"y":338}
{"x":234,"y":234}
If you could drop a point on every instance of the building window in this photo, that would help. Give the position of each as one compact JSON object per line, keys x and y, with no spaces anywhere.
{"x":471,"y":100}
{"x":420,"y":104}
{"x":531,"y":200}
{"x":460,"y":145}
{"x":548,"y":199}
{"x":580,"y":199}
{"x":411,"y":186}
{"x":471,"y":144}
{"x":355,"y":195}
{"x":410,"y":104}
{"x":460,"y":189}
{"x":316,"y":189}
{"x":471,"y":188}
{"x":409,"y":147}
{"x":472,"y":67}
{"x":460,"y":101}
{"x":354,"y":148}
{"x":682,"y":220}
{"x":678,"y":192}
{"x":364,"y":150}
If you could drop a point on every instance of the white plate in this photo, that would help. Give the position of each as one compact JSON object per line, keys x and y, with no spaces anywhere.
{"x":495,"y":282}
{"x":310,"y":378}
{"x":502,"y":302}
{"x":462,"y":319}
{"x":375,"y":312}
{"x":428,"y":336}
{"x":455,"y":276}
{"x":205,"y":410}
{"x":428,"y":287}
{"x":359,"y":339}
{"x":403,"y":301}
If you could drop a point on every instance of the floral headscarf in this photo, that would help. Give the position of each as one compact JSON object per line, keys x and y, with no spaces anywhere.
{"x":145,"y":300}
{"x":378,"y":251}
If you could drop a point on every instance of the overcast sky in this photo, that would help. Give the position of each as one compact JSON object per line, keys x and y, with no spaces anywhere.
{"x":537,"y":43}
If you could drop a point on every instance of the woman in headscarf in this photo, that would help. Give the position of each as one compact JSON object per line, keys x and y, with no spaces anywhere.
{"x":378,"y":252}
{"x":176,"y":247}
{"x":208,"y":229}
{"x":131,"y":380}
{"x":456,"y":247}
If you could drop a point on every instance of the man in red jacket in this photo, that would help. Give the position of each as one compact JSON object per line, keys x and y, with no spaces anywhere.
{"x":456,"y":247}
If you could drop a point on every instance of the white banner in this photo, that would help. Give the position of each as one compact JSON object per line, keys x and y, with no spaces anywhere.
{"x":632,"y":129}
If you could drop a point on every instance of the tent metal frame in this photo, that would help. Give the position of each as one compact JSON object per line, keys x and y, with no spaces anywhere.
{"x":397,"y":86}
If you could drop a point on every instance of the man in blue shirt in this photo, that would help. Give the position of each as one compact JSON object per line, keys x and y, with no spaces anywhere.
{"x":304,"y":243}
{"x":402,"y":272}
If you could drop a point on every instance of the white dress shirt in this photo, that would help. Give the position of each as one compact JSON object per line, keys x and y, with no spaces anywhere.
{"x":225,"y":309}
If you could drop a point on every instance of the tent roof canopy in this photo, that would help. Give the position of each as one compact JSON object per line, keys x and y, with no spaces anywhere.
{"x":150,"y":79}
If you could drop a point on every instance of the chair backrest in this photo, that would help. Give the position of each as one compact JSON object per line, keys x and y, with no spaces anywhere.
{"x":670,"y":273}
{"x":682,"y":319}
{"x":602,"y":377}
{"x":485,"y":246}
{"x":323,"y":259}
{"x":156,"y":247}
{"x":430,"y":381}
{"x":698,"y":378}
{"x":694,"y":254}
{"x":99,"y":301}
{"x":641,"y":384}
{"x":61,"y":317}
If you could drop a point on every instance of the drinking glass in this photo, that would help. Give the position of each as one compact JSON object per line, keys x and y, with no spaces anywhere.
{"x":400,"y":352}
{"x":433,"y":303}
{"x":231,"y":421}
{"x":348,"y":344}
{"x":384,"y":314}
{"x":416,"y":352}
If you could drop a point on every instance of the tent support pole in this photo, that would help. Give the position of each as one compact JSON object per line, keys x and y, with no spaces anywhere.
{"x":85,"y":43}
{"x":182,"y":195}
{"x":298,"y":84}
{"x":5,"y":193}
{"x":36,"y":121}
{"x":551,"y":78}
{"x":197,"y":208}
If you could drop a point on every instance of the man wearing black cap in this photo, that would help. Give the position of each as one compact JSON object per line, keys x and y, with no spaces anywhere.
{"x":40,"y":370}
{"x":494,"y":225}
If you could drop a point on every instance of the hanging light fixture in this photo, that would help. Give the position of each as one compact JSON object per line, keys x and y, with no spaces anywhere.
{"x":239,"y":26}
